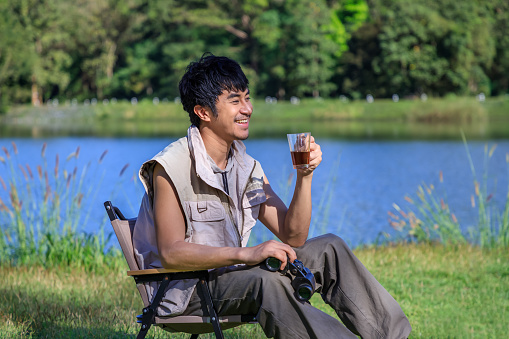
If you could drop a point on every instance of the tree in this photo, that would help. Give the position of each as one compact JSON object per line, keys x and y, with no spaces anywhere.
{"x":46,"y":27}
{"x":15,"y":58}
{"x":356,"y":76}
{"x":103,"y":33}
{"x":282,"y":44}
{"x":428,"y":46}
{"x":499,"y":70}
{"x":309,"y":55}
{"x":124,"y":48}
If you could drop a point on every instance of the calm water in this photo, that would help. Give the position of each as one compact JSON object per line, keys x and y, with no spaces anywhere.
{"x":355,"y":186}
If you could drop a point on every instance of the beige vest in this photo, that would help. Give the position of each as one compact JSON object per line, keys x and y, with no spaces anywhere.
{"x":210,"y":213}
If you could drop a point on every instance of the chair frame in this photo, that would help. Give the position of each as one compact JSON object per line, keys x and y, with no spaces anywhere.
{"x":124,"y":230}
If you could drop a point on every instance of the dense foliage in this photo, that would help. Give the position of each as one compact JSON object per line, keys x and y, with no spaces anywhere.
{"x":139,"y":48}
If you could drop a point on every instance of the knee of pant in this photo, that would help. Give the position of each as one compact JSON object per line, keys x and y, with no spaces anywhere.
{"x":336,"y":243}
{"x":333,"y":240}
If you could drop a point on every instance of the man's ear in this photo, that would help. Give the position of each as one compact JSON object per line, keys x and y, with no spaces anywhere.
{"x":203,"y":113}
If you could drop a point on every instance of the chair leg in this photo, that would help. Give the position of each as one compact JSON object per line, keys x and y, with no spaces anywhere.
{"x":149,"y":313}
{"x":214,"y":319}
{"x":143,"y":332}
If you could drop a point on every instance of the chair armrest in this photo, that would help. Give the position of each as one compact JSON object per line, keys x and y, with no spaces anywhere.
{"x":151,"y":271}
{"x":158,"y":274}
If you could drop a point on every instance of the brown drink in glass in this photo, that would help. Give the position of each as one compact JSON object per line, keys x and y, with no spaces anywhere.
{"x":300,"y":159}
{"x":300,"y":149}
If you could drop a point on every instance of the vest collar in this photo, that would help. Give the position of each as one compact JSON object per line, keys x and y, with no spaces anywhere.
{"x":203,"y":169}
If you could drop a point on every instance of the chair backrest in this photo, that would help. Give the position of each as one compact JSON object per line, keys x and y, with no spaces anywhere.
{"x":124,"y":229}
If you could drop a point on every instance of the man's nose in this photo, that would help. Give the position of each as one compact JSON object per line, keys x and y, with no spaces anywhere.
{"x":247,"y":108}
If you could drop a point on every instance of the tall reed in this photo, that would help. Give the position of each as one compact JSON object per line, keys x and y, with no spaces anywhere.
{"x":321,"y":210}
{"x":44,"y":209}
{"x":320,"y":219}
{"x":429,"y":217}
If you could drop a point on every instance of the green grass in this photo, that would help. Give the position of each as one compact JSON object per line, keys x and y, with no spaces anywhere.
{"x":446,"y":291}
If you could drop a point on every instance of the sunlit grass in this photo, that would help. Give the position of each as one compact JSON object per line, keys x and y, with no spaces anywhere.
{"x":446,"y":291}
{"x":455,"y":291}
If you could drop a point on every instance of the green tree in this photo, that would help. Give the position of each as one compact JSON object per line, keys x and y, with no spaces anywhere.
{"x":356,"y":76}
{"x":499,"y":71}
{"x":15,"y":58}
{"x":347,"y":16}
{"x":309,"y":60}
{"x":103,"y":33}
{"x":46,"y":26}
{"x":283,"y":45}
{"x":427,"y":46}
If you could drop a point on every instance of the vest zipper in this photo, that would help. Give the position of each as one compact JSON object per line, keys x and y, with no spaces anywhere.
{"x":227,"y":191}
{"x":225,"y":183}
{"x":227,"y":207}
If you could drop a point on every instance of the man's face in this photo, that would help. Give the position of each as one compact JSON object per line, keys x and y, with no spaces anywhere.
{"x":234,"y":111}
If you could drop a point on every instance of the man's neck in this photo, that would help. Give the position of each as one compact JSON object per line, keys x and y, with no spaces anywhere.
{"x":217,"y":148}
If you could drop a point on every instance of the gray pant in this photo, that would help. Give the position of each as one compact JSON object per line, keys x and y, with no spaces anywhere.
{"x":363,"y":305}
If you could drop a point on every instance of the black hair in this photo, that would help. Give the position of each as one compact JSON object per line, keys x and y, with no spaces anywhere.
{"x":205,"y":80}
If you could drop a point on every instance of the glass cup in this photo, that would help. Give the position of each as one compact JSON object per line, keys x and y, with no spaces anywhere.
{"x":300,"y":144}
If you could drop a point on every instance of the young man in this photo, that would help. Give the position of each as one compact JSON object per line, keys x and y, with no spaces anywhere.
{"x":204,"y":195}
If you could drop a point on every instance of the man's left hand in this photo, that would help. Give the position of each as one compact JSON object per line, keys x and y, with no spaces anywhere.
{"x":315,"y":158}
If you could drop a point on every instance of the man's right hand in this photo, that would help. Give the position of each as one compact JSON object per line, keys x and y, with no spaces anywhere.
{"x":272,"y":248}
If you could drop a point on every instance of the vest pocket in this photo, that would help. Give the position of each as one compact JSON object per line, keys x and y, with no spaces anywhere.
{"x":208,"y":222}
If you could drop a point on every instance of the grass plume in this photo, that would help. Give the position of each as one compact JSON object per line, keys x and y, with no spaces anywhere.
{"x":430,"y":219}
{"x":41,"y":212}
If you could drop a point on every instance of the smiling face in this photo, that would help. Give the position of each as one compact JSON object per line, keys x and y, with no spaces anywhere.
{"x":234,"y":109}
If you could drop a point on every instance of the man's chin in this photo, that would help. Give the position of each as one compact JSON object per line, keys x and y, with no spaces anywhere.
{"x":244,"y":137}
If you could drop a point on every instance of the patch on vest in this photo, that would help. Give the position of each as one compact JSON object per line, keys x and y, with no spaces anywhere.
{"x":254,"y":192}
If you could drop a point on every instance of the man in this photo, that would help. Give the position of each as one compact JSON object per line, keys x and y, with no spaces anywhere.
{"x":204,"y":195}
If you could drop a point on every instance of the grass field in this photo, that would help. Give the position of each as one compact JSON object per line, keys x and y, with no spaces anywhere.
{"x":446,"y":292}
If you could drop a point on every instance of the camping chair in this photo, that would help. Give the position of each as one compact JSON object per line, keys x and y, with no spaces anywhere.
{"x":194,"y":325}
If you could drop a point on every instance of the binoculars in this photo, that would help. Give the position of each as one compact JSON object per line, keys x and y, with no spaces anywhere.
{"x":303,"y":281}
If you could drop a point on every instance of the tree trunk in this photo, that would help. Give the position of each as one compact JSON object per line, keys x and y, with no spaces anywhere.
{"x":35,"y":93}
{"x":111,"y":59}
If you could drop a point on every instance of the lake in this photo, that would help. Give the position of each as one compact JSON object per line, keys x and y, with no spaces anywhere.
{"x":353,"y":189}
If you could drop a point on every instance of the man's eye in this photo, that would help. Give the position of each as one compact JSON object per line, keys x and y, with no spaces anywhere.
{"x":247,"y":99}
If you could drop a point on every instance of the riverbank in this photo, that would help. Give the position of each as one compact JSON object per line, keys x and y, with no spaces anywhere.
{"x":436,"y":118}
{"x":446,"y":292}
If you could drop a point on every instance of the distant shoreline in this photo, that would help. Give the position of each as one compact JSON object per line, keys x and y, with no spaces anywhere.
{"x":442,"y":118}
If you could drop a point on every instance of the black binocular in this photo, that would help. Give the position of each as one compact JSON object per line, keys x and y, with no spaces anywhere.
{"x":303,"y":281}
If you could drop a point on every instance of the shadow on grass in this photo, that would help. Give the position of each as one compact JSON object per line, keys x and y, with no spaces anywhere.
{"x":47,"y":314}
